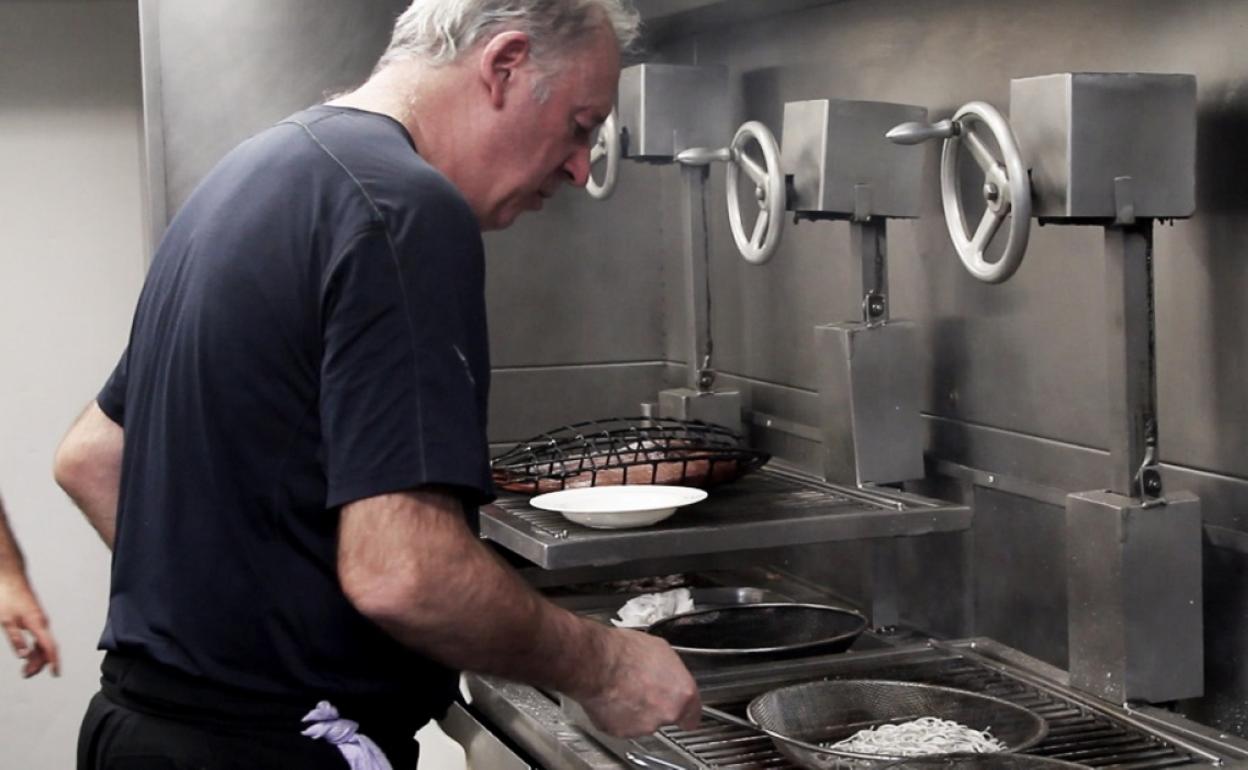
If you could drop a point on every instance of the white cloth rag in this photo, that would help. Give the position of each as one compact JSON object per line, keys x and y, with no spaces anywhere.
{"x":359,"y":750}
{"x":641,"y":611}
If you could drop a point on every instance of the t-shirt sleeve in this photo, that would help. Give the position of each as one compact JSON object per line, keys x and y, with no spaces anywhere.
{"x":404,"y":369}
{"x":112,"y":397}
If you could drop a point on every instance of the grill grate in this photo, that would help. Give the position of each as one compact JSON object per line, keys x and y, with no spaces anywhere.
{"x":1076,"y":733}
{"x":640,"y":450}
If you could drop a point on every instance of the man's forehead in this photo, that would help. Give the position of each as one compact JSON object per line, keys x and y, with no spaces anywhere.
{"x":595,"y":73}
{"x":583,"y":92}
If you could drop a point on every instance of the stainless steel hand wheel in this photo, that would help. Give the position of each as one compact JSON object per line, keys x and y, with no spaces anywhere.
{"x":762,"y":239}
{"x":605,"y":152}
{"x":1006,"y":190}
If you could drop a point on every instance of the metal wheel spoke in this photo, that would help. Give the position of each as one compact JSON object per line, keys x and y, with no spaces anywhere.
{"x":755,"y":171}
{"x":988,"y":227}
{"x":760,"y":230}
{"x":990,"y":165}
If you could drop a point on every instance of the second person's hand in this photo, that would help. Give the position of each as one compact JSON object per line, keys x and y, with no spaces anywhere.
{"x":21,"y":615}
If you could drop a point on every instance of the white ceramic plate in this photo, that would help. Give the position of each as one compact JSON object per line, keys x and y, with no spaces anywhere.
{"x":618,"y":507}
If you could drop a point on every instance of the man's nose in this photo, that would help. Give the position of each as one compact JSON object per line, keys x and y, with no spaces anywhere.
{"x":576,"y":167}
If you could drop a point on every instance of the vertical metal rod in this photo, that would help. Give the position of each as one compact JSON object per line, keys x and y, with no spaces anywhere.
{"x":1130,"y":351}
{"x":697,"y":275}
{"x":869,"y":240}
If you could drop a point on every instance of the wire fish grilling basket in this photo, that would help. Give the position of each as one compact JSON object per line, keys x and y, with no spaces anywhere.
{"x":639,"y":450}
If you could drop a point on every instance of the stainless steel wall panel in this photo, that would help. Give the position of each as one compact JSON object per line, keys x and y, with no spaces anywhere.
{"x":1028,"y":356}
{"x":525,"y":402}
{"x":1224,"y":499}
{"x":233,"y":67}
{"x":1225,"y":705}
{"x":764,"y":326}
{"x":1202,"y":323}
{"x":1064,"y":468}
{"x":582,"y":281}
{"x":1019,"y":557}
{"x":1061,"y":465}
{"x":664,"y":19}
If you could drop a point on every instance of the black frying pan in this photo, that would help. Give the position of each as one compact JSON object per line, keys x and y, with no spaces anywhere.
{"x":770,"y":630}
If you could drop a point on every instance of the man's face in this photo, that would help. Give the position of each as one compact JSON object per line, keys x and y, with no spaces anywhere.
{"x":543,"y":144}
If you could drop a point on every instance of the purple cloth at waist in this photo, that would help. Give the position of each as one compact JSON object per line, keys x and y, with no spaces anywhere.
{"x":359,"y":750}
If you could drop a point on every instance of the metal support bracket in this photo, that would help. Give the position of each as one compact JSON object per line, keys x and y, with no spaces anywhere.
{"x":1124,"y":201}
{"x":862,"y":203}
{"x":1135,"y":596}
{"x":1132,"y":375}
{"x":869,"y":240}
{"x":700,"y":346}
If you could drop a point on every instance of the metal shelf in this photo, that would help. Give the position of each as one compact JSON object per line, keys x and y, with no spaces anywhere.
{"x":768,"y":509}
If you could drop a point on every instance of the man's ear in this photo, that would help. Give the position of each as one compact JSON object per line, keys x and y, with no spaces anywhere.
{"x":500,"y":60}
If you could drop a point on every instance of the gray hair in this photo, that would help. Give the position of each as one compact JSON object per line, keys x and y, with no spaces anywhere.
{"x":438,"y":31}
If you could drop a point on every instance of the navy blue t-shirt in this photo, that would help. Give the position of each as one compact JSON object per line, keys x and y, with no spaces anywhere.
{"x":312,"y":332}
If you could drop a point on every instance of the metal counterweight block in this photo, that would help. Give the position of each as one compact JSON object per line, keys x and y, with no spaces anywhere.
{"x":841,"y":164}
{"x":666,"y":108}
{"x":716,"y":407}
{"x":869,"y":402}
{"x":1104,"y":145}
{"x":1134,"y":586}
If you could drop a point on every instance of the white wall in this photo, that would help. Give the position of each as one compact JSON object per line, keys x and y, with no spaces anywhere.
{"x":71,"y":263}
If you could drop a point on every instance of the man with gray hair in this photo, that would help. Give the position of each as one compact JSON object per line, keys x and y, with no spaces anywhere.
{"x":300,"y":416}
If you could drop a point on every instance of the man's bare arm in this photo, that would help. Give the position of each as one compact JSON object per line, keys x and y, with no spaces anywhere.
{"x":20,"y":612}
{"x":88,"y":468}
{"x":409,"y":562}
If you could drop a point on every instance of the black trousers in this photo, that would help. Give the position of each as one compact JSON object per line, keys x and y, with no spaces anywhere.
{"x":147,"y":717}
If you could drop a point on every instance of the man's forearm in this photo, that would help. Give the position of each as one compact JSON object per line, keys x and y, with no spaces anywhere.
{"x":435,"y":587}
{"x":88,"y":468}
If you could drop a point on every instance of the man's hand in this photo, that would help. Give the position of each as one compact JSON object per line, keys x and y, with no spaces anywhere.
{"x":26,"y":626}
{"x":646,"y":687}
